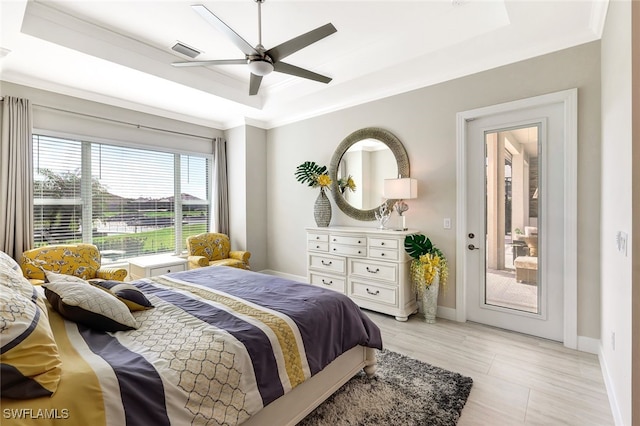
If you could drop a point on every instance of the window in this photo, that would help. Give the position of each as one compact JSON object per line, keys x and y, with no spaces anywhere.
{"x":127,"y":201}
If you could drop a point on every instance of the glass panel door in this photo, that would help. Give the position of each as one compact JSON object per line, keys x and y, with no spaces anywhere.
{"x":512,"y":219}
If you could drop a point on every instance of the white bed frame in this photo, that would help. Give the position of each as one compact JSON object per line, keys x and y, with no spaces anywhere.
{"x":292,"y":407}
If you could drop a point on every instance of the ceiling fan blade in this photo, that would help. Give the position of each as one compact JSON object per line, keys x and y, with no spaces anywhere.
{"x":288,"y":47}
{"x":299,"y":72}
{"x":216,"y":22}
{"x":212,"y":62}
{"x":254,"y":84}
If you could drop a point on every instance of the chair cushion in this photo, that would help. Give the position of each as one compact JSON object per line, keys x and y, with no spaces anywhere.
{"x":30,"y":363}
{"x":235,"y":263}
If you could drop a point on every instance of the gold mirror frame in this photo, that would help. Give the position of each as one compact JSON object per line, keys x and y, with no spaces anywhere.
{"x":384,"y":136}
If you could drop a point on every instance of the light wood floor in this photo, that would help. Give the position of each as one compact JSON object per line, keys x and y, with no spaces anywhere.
{"x":517,"y":379}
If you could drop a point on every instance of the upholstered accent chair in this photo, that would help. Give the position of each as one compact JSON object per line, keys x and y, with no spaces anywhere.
{"x":214,"y":249}
{"x":81,"y":260}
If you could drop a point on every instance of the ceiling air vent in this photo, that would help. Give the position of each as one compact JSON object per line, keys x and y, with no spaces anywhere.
{"x":185,"y":50}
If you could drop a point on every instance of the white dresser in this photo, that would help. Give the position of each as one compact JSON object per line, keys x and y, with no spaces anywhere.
{"x":150,"y":266}
{"x":369,"y":265}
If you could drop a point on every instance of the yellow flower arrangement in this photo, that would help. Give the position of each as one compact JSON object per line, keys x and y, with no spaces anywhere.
{"x":313,"y":175}
{"x":428,"y":261}
{"x":324,"y":181}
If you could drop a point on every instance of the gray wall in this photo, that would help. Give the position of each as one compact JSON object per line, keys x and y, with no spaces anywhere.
{"x":424,"y":120}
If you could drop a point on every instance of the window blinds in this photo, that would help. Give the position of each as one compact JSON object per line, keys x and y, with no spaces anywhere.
{"x":127,"y":201}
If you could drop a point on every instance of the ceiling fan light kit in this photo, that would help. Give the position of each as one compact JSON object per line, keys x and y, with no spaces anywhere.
{"x":260,"y":67}
{"x":262,"y":62}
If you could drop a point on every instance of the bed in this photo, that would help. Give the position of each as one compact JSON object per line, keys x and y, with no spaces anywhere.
{"x":220,"y":346}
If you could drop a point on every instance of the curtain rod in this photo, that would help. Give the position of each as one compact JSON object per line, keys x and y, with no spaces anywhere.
{"x":126,"y":123}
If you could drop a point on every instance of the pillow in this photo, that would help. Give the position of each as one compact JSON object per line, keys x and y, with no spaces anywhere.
{"x":14,"y":280}
{"x":129,"y":294}
{"x":90,"y":306}
{"x":7,"y":260}
{"x":53,"y":277}
{"x":30,"y":365}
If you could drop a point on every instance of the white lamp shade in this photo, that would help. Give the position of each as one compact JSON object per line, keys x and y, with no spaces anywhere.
{"x":401,"y":189}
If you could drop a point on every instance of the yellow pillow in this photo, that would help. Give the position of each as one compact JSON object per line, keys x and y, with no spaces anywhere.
{"x":29,"y":360}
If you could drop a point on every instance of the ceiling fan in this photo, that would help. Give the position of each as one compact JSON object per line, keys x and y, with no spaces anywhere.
{"x":261,"y":61}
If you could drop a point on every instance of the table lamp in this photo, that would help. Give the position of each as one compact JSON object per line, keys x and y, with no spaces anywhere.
{"x":401,"y":189}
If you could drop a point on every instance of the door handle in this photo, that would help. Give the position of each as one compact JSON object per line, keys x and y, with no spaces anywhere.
{"x":472,"y":247}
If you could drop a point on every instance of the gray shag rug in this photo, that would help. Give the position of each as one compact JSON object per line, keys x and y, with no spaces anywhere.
{"x":403,"y":392}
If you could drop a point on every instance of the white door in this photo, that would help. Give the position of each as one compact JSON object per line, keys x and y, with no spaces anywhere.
{"x":514,"y":231}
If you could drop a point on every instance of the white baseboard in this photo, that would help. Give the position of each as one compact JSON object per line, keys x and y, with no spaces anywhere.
{"x":302,"y":279}
{"x":589,"y":344}
{"x":611,"y":392}
{"x":446,"y":313}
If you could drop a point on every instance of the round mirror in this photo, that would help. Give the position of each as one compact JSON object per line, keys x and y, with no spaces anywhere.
{"x":364,"y":159}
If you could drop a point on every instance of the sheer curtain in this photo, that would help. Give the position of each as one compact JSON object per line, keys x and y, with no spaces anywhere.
{"x":16,"y":177}
{"x":220,"y":200}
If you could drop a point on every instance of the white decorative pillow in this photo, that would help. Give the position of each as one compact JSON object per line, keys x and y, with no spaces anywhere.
{"x":54,"y":277}
{"x":29,"y":360}
{"x":14,"y":280}
{"x":9,"y":261}
{"x":85,"y":304}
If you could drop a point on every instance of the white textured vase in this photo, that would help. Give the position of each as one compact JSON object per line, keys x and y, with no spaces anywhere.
{"x":322,"y":210}
{"x":430,"y":300}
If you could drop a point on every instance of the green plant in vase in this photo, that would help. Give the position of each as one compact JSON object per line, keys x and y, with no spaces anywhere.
{"x":429,"y":269}
{"x":315,"y":176}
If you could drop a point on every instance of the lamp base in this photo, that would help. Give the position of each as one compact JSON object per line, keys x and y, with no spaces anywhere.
{"x":404,"y":226}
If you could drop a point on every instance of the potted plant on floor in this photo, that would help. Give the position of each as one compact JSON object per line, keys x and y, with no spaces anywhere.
{"x":429,"y":269}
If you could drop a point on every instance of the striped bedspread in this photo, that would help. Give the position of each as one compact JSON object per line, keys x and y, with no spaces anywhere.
{"x":220,"y":344}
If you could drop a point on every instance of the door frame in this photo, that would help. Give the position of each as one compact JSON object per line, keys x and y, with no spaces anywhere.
{"x":569,"y":99}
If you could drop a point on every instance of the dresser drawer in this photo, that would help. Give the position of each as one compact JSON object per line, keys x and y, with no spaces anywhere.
{"x":376,"y":270}
{"x":329,"y":264}
{"x":374,"y":293}
{"x":325,"y":281}
{"x":348,"y":240}
{"x":339,"y":249}
{"x":383,"y":243}
{"x":387,"y":254}
{"x":153,"y":272}
{"x":324,"y":238}
{"x":317,"y":246}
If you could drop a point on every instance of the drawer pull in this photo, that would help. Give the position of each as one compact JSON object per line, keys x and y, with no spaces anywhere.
{"x":373,"y":293}
{"x":334,"y":249}
{"x":168,"y":270}
{"x":359,"y":242}
{"x":335,"y":239}
{"x":382,"y":243}
{"x":326,"y":263}
{"x":381,"y":254}
{"x":326,"y":283}
{"x":317,"y":247}
{"x":373,"y":271}
{"x":359,"y":252}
